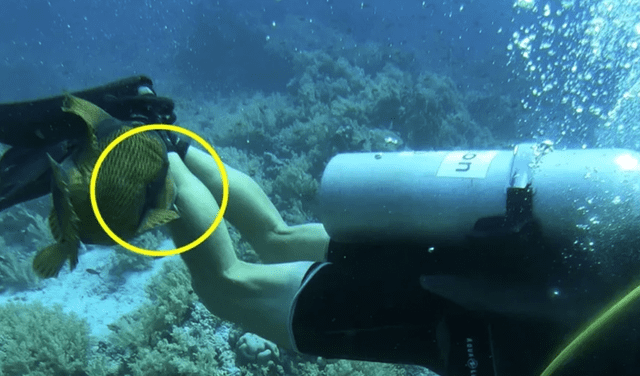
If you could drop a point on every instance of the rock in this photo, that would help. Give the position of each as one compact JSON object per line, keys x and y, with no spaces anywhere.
{"x":255,"y":349}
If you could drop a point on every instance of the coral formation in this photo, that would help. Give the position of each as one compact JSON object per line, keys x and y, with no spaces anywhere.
{"x":334,"y":105}
{"x":253,"y":348}
{"x":152,"y":340}
{"x":15,"y":269}
{"x":170,"y":298}
{"x":39,"y":340}
{"x":351,"y":368}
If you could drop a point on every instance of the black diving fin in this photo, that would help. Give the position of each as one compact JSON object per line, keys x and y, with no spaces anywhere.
{"x":41,"y":122}
{"x":36,"y":128}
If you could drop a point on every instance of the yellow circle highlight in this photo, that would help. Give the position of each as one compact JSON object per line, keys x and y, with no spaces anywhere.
{"x":166,"y":127}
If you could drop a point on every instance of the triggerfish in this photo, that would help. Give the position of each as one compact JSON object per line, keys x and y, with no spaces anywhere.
{"x":134,"y":191}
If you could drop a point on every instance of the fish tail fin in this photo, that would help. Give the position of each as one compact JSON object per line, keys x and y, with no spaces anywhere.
{"x":50,"y":260}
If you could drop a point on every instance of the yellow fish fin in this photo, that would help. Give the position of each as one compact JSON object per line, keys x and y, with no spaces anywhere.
{"x":53,"y":225}
{"x":50,"y":260}
{"x":157,"y":217}
{"x":63,"y":221}
{"x":168,"y":197}
{"x":90,"y":113}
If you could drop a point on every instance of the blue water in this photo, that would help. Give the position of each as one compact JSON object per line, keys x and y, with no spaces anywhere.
{"x":566,"y":87}
{"x":111,"y":38}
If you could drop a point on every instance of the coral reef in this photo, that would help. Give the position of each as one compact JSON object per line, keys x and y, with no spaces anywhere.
{"x":22,"y":229}
{"x":170,"y":298}
{"x":196,"y":345}
{"x":351,"y":368}
{"x":39,"y":340}
{"x":172,"y":334}
{"x":16,"y":272}
{"x":27,"y":224}
{"x":334,"y":105}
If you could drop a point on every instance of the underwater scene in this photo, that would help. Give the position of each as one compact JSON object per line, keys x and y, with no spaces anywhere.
{"x":454,"y":184}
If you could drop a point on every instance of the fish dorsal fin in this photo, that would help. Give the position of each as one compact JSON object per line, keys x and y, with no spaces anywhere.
{"x":90,"y":113}
{"x":157,"y":217}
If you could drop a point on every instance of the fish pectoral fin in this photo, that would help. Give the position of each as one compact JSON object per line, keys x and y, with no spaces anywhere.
{"x":50,"y":260}
{"x":157,"y":217}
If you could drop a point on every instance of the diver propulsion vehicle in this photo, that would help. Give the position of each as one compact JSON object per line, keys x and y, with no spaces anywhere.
{"x":476,"y":262}
{"x":446,"y":198}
